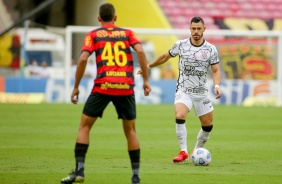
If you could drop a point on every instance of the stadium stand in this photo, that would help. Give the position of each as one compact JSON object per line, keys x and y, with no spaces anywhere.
{"x":179,"y":12}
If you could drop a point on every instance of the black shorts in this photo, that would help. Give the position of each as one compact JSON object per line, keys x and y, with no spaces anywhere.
{"x":97,"y":102}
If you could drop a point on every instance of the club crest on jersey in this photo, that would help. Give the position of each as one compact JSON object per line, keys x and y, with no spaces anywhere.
{"x":87,"y":41}
{"x":205,"y":54}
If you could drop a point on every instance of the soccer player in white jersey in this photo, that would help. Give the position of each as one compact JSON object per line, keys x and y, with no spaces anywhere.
{"x":196,"y":55}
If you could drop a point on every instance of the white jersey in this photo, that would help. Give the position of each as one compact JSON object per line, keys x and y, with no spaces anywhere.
{"x":194,"y":62}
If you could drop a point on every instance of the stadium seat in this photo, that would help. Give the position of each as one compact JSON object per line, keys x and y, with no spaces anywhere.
{"x":211,"y":9}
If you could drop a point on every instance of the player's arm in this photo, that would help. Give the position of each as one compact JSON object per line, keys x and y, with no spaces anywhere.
{"x":161,"y":59}
{"x":216,"y":79}
{"x":143,"y":64}
{"x":81,"y":65}
{"x":164,"y":57}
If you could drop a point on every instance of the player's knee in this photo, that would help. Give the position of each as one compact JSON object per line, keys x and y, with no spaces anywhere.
{"x":179,"y":116}
{"x":207,"y":128}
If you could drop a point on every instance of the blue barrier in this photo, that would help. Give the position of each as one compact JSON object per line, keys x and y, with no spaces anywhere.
{"x":233,"y":92}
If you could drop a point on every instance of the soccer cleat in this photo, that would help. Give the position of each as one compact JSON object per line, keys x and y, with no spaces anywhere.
{"x":135,"y":179}
{"x":182,"y":156}
{"x":75,"y":176}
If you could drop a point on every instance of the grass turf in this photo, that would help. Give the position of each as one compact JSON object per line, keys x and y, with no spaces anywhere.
{"x":37,"y":145}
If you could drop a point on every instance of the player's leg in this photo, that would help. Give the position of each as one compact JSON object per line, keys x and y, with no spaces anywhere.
{"x":133,"y":148}
{"x":204,"y":133}
{"x":182,"y":106}
{"x":82,"y":141}
{"x":80,"y":150}
{"x":130,"y":134}
{"x":204,"y":109}
{"x":126,"y":109}
{"x":93,"y":108}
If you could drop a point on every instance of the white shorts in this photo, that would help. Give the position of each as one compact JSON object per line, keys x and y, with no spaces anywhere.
{"x":202,"y":105}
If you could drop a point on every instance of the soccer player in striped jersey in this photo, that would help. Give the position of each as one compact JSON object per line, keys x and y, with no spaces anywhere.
{"x":114,"y":83}
{"x":196,"y":55}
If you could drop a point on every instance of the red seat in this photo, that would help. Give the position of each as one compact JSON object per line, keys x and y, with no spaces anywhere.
{"x":180,"y":12}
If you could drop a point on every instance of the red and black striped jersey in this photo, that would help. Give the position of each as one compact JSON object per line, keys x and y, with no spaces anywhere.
{"x":114,"y":60}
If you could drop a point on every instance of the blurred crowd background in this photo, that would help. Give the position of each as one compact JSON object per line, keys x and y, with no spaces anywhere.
{"x":33,"y":37}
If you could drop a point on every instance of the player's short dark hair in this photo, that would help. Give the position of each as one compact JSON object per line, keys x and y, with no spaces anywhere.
{"x":107,"y":12}
{"x":197,"y":20}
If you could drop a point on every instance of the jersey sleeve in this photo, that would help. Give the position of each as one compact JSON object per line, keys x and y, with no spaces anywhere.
{"x":214,"y":56}
{"x":174,"y":50}
{"x":133,"y":38}
{"x":88,"y":43}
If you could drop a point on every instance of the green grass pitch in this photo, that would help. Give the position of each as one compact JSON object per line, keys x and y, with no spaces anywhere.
{"x":37,"y":146}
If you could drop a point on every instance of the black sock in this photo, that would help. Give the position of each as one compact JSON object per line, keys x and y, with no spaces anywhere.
{"x":80,"y":152}
{"x":135,"y":160}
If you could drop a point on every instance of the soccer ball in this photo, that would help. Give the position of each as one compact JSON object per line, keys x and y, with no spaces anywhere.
{"x":201,"y":157}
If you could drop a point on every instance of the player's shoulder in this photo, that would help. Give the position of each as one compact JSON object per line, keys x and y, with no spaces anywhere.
{"x":183,"y":41}
{"x":102,"y":30}
{"x":207,"y":43}
{"x":118,"y":28}
{"x":210,"y":45}
{"x":109,"y":28}
{"x":94,"y":31}
{"x":126,"y":30}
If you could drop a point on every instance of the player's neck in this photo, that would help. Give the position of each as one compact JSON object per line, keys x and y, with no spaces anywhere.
{"x":107,"y":23}
{"x":197,"y":42}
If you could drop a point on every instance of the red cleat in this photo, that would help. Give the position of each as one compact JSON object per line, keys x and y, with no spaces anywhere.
{"x":182,"y":156}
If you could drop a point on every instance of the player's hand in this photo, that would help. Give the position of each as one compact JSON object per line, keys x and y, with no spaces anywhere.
{"x":140,"y":72}
{"x":74,"y":95}
{"x":218,"y":92}
{"x":147,"y":88}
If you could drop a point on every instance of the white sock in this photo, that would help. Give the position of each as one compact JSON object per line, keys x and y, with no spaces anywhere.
{"x":181,"y":133}
{"x":202,"y":138}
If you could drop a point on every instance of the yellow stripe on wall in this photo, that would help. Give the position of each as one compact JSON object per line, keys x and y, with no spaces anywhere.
{"x":139,"y":14}
{"x":145,"y":14}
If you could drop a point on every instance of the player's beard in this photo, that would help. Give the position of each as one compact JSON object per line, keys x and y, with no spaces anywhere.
{"x":197,"y":37}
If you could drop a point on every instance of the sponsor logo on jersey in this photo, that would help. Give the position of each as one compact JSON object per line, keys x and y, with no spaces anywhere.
{"x":111,"y":34}
{"x":108,"y":85}
{"x":199,"y":90}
